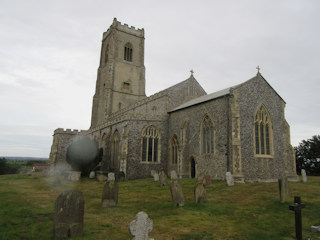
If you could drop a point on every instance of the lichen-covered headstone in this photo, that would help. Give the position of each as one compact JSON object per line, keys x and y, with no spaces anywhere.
{"x":176,"y":193}
{"x":68,"y":215}
{"x":229,"y":178}
{"x":283,"y":188}
{"x":92,"y":175}
{"x":110,"y":192}
{"x":141,"y":226}
{"x":163,"y":178}
{"x":204,"y":179}
{"x":304,"y":175}
{"x":156,"y":177}
{"x":200,"y":193}
{"x":173,"y":174}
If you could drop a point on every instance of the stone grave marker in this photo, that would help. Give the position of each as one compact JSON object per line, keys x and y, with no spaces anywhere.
{"x":141,"y":226}
{"x":283,"y":188}
{"x":229,"y":177}
{"x":92,"y":175}
{"x":204,"y":179}
{"x":153,"y":172}
{"x":173,"y":174}
{"x":163,"y":178}
{"x":68,"y":215}
{"x":200,"y":193}
{"x":110,"y":192}
{"x":101,"y":176}
{"x":176,"y":193}
{"x":304,"y":175}
{"x":156,"y":177}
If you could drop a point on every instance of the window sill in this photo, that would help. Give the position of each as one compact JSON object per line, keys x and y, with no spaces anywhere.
{"x":263,"y":156}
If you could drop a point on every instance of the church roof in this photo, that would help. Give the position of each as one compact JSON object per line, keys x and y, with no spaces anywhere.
{"x":203,"y":99}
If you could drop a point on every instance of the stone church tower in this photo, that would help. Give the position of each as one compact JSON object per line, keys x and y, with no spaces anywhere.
{"x":121,"y":74}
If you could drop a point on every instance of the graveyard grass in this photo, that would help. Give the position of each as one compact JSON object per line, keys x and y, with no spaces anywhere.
{"x":244,"y":211}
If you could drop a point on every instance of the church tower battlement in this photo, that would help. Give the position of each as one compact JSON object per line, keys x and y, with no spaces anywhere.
{"x":121,"y":73}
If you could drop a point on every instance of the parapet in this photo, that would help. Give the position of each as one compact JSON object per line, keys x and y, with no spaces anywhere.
{"x":124,"y":28}
{"x":68,"y":131}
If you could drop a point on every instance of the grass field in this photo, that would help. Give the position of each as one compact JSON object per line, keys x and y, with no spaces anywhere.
{"x":244,"y":211}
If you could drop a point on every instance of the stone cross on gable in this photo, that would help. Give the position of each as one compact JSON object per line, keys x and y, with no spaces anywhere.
{"x":258,"y":68}
{"x":191,"y":72}
{"x":297,"y":207}
{"x":141,"y":226}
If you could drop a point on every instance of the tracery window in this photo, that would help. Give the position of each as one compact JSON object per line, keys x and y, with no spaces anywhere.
{"x":207,"y":136}
{"x":174,"y":150}
{"x":150,"y":145}
{"x":128,"y":52}
{"x":115,"y":150}
{"x":262,"y":132}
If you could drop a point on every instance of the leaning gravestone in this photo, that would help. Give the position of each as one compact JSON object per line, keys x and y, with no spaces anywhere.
{"x":176,"y":194}
{"x":229,"y":177}
{"x":163,"y":178}
{"x":304,"y":175}
{"x":173,"y":174}
{"x":156,"y":177}
{"x":92,"y":175}
{"x":200,"y":193}
{"x":283,"y":188}
{"x":141,"y":226}
{"x":110,"y":192}
{"x":68,"y":215}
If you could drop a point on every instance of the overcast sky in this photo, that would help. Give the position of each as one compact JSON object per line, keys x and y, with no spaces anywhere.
{"x":49,"y":55}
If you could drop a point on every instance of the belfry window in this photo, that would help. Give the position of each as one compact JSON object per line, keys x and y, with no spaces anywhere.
{"x":207,"y":136}
{"x":174,"y":150}
{"x":128,"y":52}
{"x":262,"y":132}
{"x":150,"y":145}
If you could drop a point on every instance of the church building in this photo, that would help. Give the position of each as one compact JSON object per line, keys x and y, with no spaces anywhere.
{"x":241,"y":129}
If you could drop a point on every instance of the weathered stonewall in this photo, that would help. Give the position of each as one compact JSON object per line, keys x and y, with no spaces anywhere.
{"x":156,"y":177}
{"x":141,"y":226}
{"x":283,"y":188}
{"x":176,"y":193}
{"x":229,"y":178}
{"x":68,"y":215}
{"x":92,"y":175}
{"x":163,"y":178}
{"x":304,"y":175}
{"x":200,"y":193}
{"x":173,"y":175}
{"x":110,"y":192}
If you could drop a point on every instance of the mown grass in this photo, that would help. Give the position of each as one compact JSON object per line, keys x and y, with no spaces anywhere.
{"x":244,"y":211}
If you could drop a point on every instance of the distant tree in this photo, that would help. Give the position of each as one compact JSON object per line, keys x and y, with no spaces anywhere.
{"x":308,"y":156}
{"x":83,"y":155}
{"x":3,"y":165}
{"x":8,"y":168}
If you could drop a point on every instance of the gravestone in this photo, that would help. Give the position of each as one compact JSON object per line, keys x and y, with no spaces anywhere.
{"x":173,"y":175}
{"x":204,"y":179}
{"x":200,"y":193}
{"x":92,"y":175}
{"x":283,"y":188}
{"x":153,"y":172}
{"x":176,"y":193}
{"x":110,"y":192}
{"x":68,"y":215}
{"x":163,"y":178}
{"x":229,"y":177}
{"x":304,"y":175}
{"x":156,"y":177}
{"x":74,"y":176}
{"x":297,"y":207}
{"x":141,"y":226}
{"x":101,"y":176}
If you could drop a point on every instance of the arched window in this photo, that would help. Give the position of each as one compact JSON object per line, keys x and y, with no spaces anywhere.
{"x":115,"y":150}
{"x":174,"y":150}
{"x":150,"y":145}
{"x":207,"y":136}
{"x":262,"y":132}
{"x":106,"y":56}
{"x":128,"y":52}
